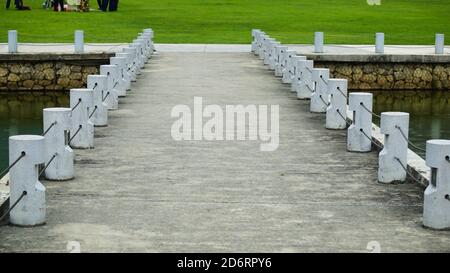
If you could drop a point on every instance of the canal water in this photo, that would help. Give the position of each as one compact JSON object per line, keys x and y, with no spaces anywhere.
{"x":21,"y":113}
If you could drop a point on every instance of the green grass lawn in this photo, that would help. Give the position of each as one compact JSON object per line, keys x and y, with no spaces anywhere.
{"x":230,"y":21}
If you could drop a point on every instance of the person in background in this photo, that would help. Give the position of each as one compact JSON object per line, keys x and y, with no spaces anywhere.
{"x":18,"y":3}
{"x":57,"y":3}
{"x":105,"y":5}
{"x":113,"y":5}
{"x":99,"y":2}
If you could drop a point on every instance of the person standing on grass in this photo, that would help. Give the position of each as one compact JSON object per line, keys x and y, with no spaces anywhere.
{"x":105,"y":5}
{"x":57,"y":3}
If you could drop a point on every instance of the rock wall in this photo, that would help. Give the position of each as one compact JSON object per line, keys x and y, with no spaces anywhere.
{"x":390,"y":76}
{"x":54,"y":75}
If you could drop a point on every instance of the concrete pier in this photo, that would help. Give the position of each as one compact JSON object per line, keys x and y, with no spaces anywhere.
{"x":139,"y":190}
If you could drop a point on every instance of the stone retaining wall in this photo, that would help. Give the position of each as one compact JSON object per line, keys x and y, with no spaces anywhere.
{"x":44,"y":76}
{"x":48,"y":71}
{"x":397,"y":76}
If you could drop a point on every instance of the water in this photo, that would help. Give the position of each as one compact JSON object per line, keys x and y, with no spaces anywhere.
{"x":429,"y":113}
{"x":21,"y":113}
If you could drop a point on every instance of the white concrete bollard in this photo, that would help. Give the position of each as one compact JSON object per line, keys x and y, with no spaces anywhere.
{"x":132,"y":62}
{"x":392,"y":157}
{"x":318,"y":42}
{"x":337,"y":110}
{"x":436,"y":206}
{"x":151,"y":35}
{"x":12,"y":41}
{"x":288,"y":62}
{"x":24,"y":180}
{"x":137,"y":61}
{"x":379,"y":42}
{"x":112,"y":96}
{"x":259,"y":36}
{"x":306,"y":84}
{"x":140,"y":60}
{"x":143,"y":50}
{"x":79,"y":41}
{"x":122,"y":82}
{"x":359,"y":133}
{"x":98,"y":115}
{"x":263,"y":39}
{"x":273,"y":55}
{"x":58,"y":154}
{"x":320,"y":97}
{"x":279,"y":60}
{"x":294,"y":71}
{"x":254,"y":40}
{"x":82,"y":132}
{"x":439,"y":44}
{"x":268,"y":50}
{"x":128,"y":68}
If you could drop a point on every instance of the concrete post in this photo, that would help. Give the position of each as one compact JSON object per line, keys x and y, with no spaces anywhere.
{"x":140,"y":56}
{"x":273,"y":55}
{"x":128,"y":68}
{"x":362,"y":123}
{"x":79,"y":41}
{"x":337,"y":111}
{"x":436,"y":206}
{"x":393,"y":155}
{"x":144,"y":53}
{"x":379,"y":42}
{"x":279,"y":60}
{"x":112,"y":99}
{"x":268,"y":50}
{"x":263,"y":39}
{"x":318,"y":42}
{"x":288,"y":62}
{"x":151,"y":35}
{"x":58,"y":154}
{"x":254,"y":39}
{"x":24,"y":180}
{"x":294,"y":71}
{"x":122,"y":83}
{"x":12,"y":41}
{"x":320,"y":97}
{"x":306,"y":84}
{"x":99,"y":114}
{"x":132,"y":60}
{"x":258,"y":42}
{"x":137,"y":58}
{"x":82,"y":132}
{"x":439,"y":44}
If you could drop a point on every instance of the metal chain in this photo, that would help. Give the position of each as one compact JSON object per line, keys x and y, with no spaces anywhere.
{"x":369,"y":138}
{"x":309,"y":69}
{"x":95,"y":86}
{"x":309,"y":87}
{"x":346,"y":121}
{"x":407,"y":140}
{"x":48,"y":164}
{"x":117,"y":82}
{"x":340,"y":91}
{"x":325,"y":82}
{"x":367,"y":109}
{"x":76,"y":133}
{"x":107,"y":94}
{"x":95,"y":108}
{"x":406,"y":169}
{"x":76,"y":105}
{"x":50,"y":127}
{"x":22,"y":154}
{"x":324,"y":102}
{"x":13,"y":206}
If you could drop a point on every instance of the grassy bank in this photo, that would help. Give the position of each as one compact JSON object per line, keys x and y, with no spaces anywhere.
{"x":230,"y":21}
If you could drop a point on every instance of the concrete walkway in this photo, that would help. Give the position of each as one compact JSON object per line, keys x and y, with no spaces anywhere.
{"x":139,"y":190}
{"x":61,"y":48}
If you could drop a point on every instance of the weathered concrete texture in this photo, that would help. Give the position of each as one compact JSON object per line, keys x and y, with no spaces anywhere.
{"x":139,"y":190}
